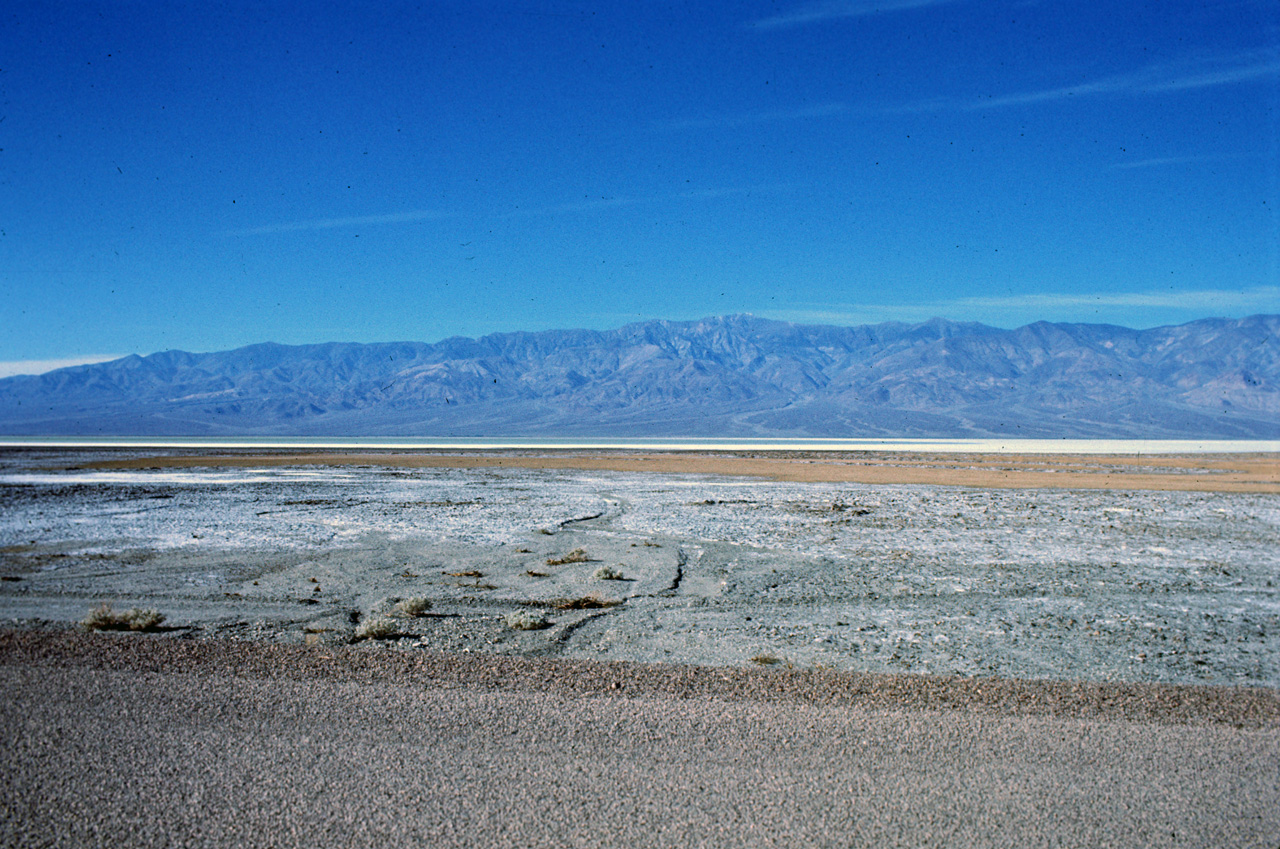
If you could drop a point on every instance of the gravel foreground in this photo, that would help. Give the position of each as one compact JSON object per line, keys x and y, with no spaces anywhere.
{"x":156,"y":740}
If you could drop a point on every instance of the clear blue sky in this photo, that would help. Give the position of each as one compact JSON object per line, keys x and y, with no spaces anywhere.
{"x":208,"y":175}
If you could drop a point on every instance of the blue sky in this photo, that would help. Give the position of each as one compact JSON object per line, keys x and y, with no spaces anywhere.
{"x":208,"y":175}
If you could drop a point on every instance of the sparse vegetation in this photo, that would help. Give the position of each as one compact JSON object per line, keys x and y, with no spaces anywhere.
{"x":578,"y":555}
{"x":396,"y":607}
{"x":410,"y":607}
{"x":608,"y":573}
{"x":533,"y":574}
{"x":766,"y":660}
{"x":586,"y":602}
{"x":469,"y":573}
{"x":103,"y":618}
{"x":378,"y":628}
{"x":527,"y":620}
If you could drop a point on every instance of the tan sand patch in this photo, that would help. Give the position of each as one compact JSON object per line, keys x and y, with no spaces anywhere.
{"x":1235,"y":473}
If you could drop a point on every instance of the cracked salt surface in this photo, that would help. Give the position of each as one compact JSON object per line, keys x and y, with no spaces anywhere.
{"x":1159,"y":586}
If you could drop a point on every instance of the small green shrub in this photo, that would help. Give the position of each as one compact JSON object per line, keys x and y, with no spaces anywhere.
{"x":608,"y":573}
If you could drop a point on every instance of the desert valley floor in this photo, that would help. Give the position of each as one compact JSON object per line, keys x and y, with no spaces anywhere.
{"x":1038,"y":577}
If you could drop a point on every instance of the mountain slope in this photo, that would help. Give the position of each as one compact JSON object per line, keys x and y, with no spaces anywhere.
{"x":729,"y":376}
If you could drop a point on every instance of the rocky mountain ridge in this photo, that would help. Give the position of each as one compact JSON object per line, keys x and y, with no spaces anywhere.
{"x":733,"y":376}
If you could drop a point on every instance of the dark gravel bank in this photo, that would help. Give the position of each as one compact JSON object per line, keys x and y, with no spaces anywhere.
{"x":1242,"y":707}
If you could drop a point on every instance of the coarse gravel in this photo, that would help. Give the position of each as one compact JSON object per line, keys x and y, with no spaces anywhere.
{"x":159,"y":740}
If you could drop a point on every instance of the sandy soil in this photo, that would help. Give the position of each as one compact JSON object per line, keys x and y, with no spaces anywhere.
{"x":1244,"y":473}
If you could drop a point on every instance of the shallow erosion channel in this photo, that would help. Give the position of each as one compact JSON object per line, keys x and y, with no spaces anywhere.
{"x":712,"y":570}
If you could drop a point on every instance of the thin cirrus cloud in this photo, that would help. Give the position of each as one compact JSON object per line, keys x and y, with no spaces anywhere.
{"x":623,"y":201}
{"x":1257,"y":297}
{"x":816,"y":13}
{"x":417,"y":216}
{"x":586,"y":205}
{"x":1167,"y":161}
{"x":747,"y":119}
{"x":338,"y":223}
{"x":1154,"y":79}
{"x":1046,"y":306}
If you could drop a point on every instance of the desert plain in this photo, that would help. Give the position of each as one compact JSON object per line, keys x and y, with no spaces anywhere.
{"x":1130,"y":600}
{"x":1093,"y":568}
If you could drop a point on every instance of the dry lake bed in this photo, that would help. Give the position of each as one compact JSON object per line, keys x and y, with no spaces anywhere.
{"x":938,"y":575}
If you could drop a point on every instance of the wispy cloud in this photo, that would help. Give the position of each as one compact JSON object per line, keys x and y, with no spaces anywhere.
{"x":1200,"y":73}
{"x":623,"y":201}
{"x":815,"y":13}
{"x":1128,"y":307}
{"x":748,"y":119}
{"x":410,"y":217}
{"x":586,"y":205}
{"x":1165,"y":161}
{"x":14,"y":367}
{"x":736,"y":191}
{"x":1258,"y":297}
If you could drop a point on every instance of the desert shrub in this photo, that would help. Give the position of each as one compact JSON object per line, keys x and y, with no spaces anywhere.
{"x":766,"y":660}
{"x":397,"y":607}
{"x":578,"y":555}
{"x":410,"y":607}
{"x":608,"y":573}
{"x":378,"y":628}
{"x":143,"y":619}
{"x":103,"y":618}
{"x":527,"y":620}
{"x":587,"y":602}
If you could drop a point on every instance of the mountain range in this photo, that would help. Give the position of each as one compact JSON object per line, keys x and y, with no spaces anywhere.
{"x":732,"y":376}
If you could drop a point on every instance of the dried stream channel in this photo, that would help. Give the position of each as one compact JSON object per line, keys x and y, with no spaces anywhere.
{"x":1065,"y":584}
